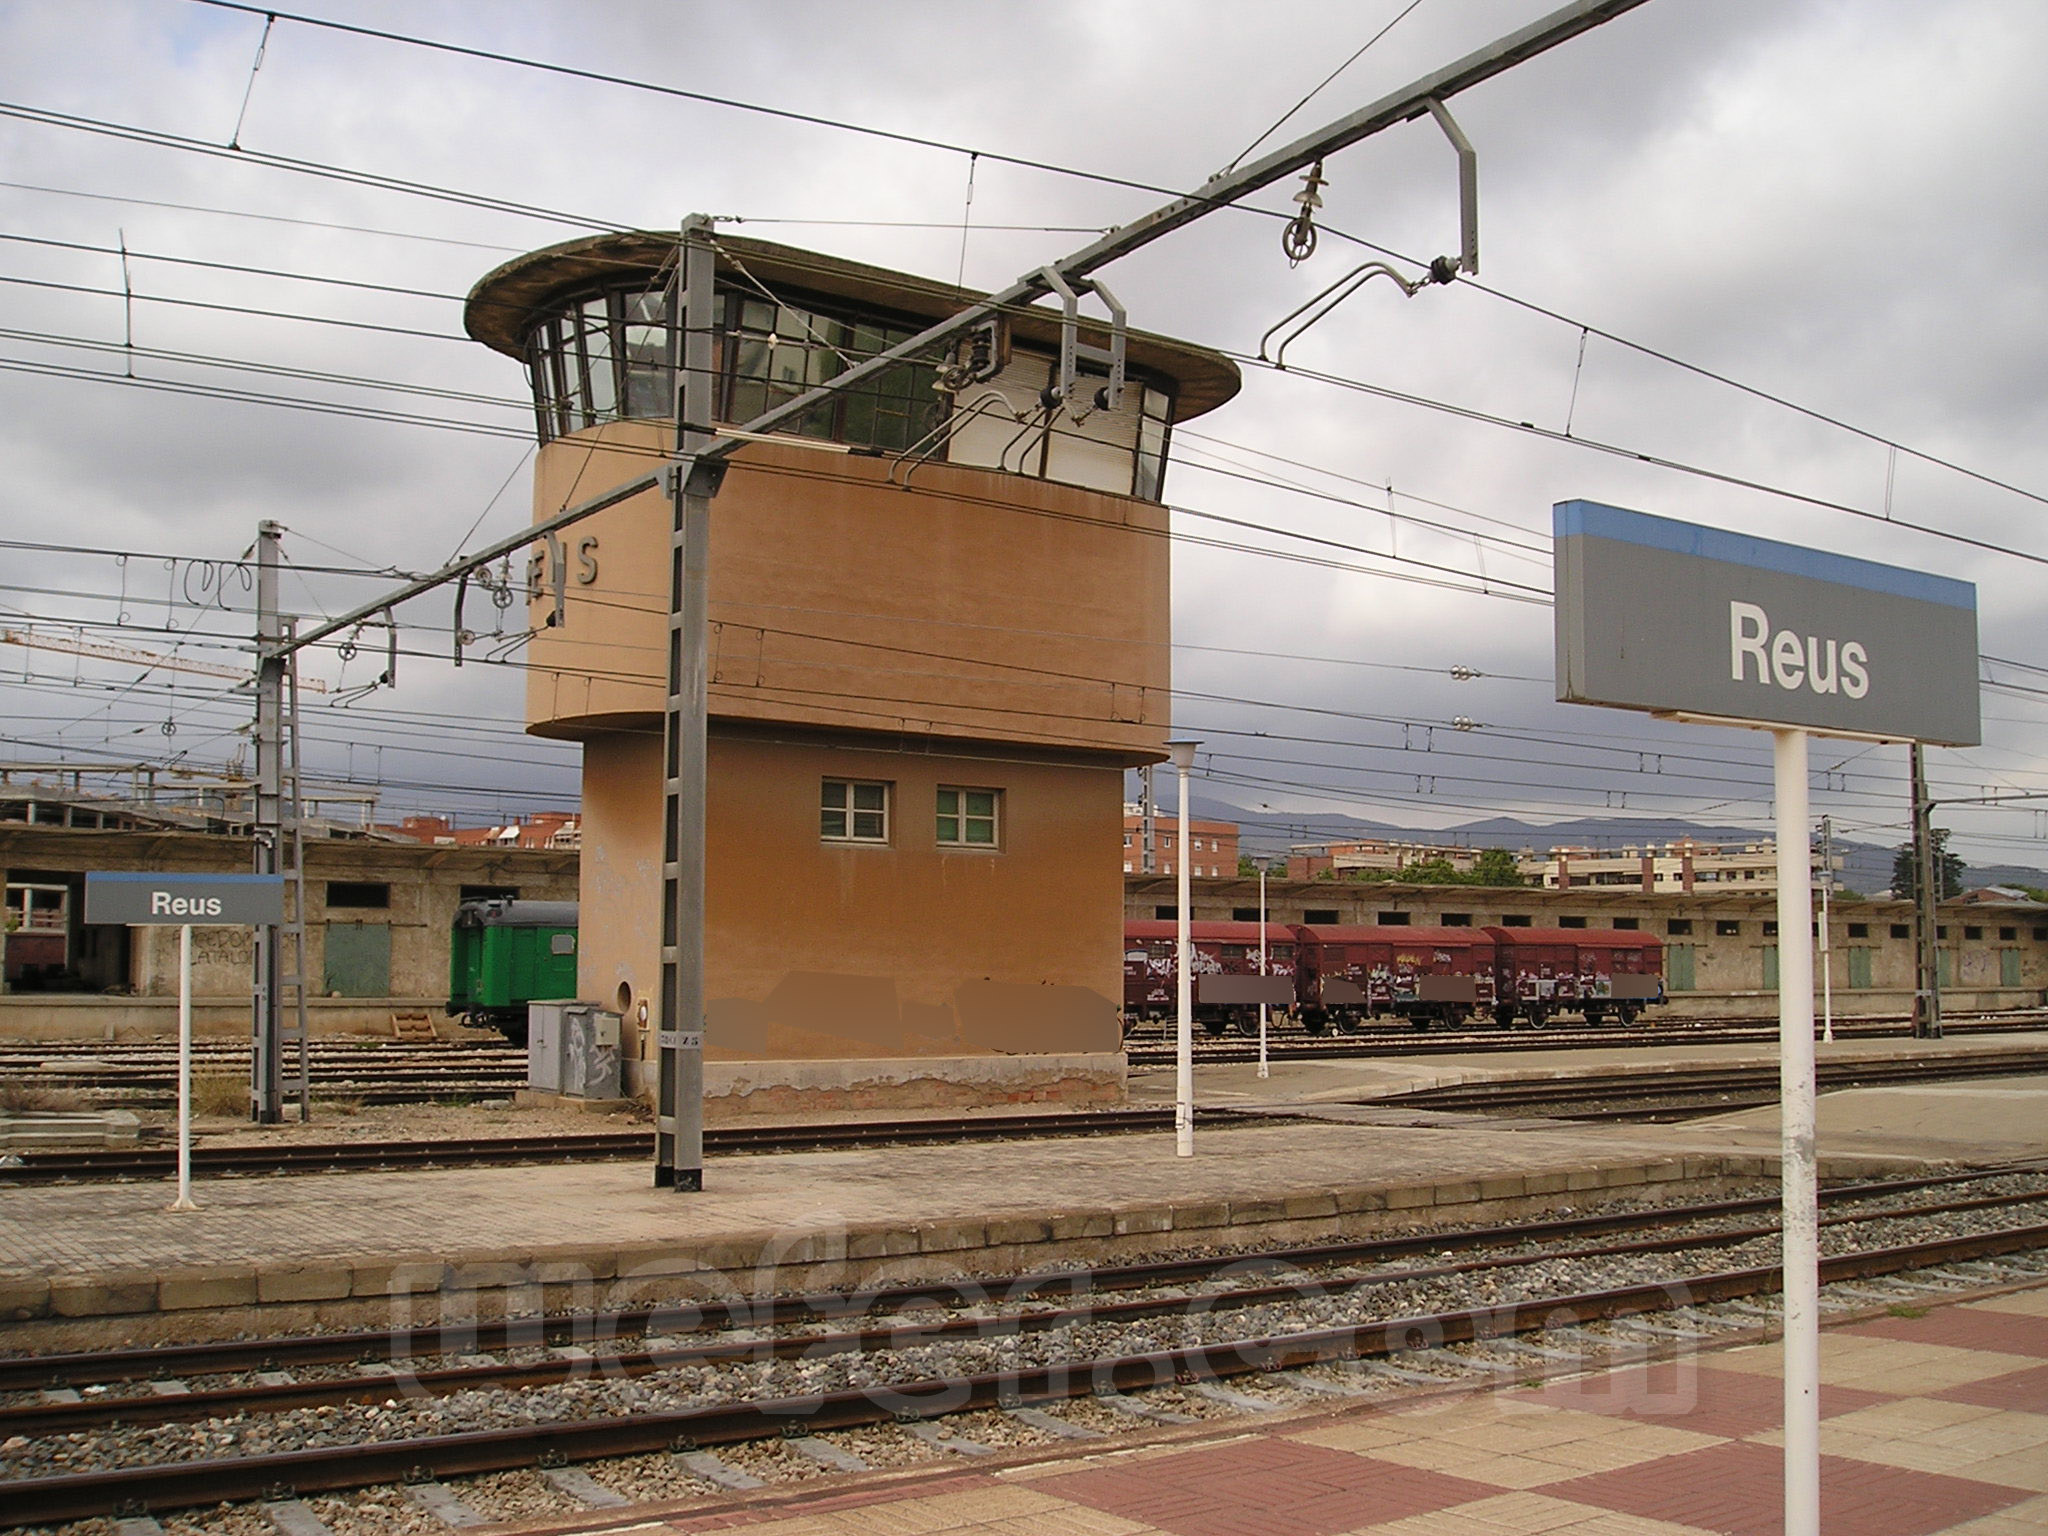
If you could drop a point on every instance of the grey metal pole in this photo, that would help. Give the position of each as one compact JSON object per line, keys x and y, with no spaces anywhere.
{"x":1797,"y":1186}
{"x":266,"y":1095}
{"x":1926,"y":935}
{"x":679,"y":1106}
{"x":1219,"y":191}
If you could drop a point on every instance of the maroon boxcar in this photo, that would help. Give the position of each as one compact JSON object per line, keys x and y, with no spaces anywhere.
{"x":1426,"y":975}
{"x":1599,"y":973}
{"x":1219,"y":949}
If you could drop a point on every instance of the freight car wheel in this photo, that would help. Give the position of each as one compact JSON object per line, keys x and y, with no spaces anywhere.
{"x":1311,"y":1025}
{"x":1214,"y":1028}
{"x":1538,"y":1017}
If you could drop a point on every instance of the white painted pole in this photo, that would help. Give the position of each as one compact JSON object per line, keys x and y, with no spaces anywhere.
{"x":1827,"y":969}
{"x":1797,"y":1177}
{"x":1183,"y":753}
{"x":184,"y":1200}
{"x":1262,"y":968}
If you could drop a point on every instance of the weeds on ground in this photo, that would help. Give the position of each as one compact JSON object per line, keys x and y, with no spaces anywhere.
{"x":18,"y":1097}
{"x":218,"y":1093}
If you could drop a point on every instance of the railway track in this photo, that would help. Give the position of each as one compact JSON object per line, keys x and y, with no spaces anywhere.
{"x":1130,"y":1337}
{"x":598,"y":1146}
{"x":1680,"y":1092}
{"x":1290,"y":1044}
{"x":144,"y":1076}
{"x":1638,"y":1096}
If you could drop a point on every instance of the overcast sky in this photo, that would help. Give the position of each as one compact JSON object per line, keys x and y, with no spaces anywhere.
{"x":1835,"y":203}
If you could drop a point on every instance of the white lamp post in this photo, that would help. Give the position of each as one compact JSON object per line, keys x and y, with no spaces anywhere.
{"x":1183,"y":755}
{"x":1262,"y":969}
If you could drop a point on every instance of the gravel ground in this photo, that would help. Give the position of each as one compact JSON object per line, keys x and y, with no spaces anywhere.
{"x":1386,"y":1292}
{"x":1378,"y":1295}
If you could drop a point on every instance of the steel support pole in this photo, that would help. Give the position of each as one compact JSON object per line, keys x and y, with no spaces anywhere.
{"x":1927,"y":893}
{"x":1183,"y":970}
{"x":266,"y":1073}
{"x":1796,"y":1176}
{"x":1220,"y":191}
{"x":679,"y":1104}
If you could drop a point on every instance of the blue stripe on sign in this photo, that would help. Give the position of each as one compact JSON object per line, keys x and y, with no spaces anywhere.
{"x":164,"y":877}
{"x":1593,"y":519}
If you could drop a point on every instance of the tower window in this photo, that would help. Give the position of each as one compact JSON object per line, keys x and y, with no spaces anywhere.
{"x":852,"y":811}
{"x":969,"y":818}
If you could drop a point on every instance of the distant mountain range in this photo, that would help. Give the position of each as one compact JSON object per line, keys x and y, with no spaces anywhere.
{"x":1866,"y":867}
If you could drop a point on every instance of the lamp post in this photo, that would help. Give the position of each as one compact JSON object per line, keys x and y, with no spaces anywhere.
{"x":1183,"y":755}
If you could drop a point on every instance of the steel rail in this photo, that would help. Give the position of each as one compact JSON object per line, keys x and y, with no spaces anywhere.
{"x":72,"y":1496}
{"x":1706,"y":1081}
{"x":73,"y":1369}
{"x":44,"y":1419}
{"x":1406,"y":1041}
{"x":598,"y":1146}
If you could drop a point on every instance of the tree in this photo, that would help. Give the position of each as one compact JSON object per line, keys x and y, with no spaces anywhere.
{"x":1430,"y":872}
{"x":1948,"y":870}
{"x":1496,"y":866}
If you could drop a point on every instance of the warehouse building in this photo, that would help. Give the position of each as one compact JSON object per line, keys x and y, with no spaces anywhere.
{"x":378,"y":915}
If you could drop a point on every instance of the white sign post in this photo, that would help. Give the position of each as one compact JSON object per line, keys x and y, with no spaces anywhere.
{"x":1262,"y":970}
{"x":1183,"y":754}
{"x":1702,"y":625}
{"x":151,"y":899}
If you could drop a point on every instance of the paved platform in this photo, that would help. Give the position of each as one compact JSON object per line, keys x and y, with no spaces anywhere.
{"x":327,"y":1249}
{"x":1930,"y":1424}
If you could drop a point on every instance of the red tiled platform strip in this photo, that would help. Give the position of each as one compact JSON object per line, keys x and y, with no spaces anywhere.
{"x":1731,"y":1404}
{"x":1738,"y":1489}
{"x":1263,"y":1486}
{"x":2020,"y":1391}
{"x":2003,"y":1333}
{"x":1684,"y":1448}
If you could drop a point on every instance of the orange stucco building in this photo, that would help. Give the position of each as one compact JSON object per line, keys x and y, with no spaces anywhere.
{"x":939,"y":625}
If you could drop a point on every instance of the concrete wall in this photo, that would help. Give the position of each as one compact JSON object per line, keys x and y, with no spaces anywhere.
{"x":818,"y":951}
{"x":971,"y":604}
{"x":1729,"y":967}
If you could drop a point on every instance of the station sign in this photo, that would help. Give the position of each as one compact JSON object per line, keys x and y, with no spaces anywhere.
{"x":1677,"y":618}
{"x":154,"y":896}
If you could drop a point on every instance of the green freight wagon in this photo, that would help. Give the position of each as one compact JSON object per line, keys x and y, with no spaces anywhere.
{"x":505,"y":954}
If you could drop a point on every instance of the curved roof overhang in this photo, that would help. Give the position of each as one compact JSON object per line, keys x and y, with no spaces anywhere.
{"x":506,"y":304}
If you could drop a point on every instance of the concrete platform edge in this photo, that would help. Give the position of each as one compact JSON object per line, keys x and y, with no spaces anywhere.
{"x":458,"y":1284}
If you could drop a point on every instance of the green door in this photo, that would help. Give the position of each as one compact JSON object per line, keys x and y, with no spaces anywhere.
{"x":2008,"y":967}
{"x":1770,"y":967}
{"x":357,"y":960}
{"x":1678,"y":967}
{"x":1859,"y":968}
{"x":1945,"y":967}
